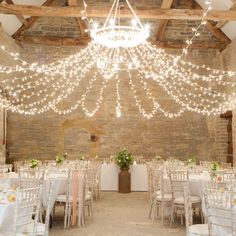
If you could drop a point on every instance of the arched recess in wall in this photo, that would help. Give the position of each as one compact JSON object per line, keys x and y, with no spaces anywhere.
{"x":79,"y":137}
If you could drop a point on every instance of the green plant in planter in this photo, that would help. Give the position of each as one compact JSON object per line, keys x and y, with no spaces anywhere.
{"x":60,"y":158}
{"x":124,"y":159}
{"x":191,"y":161}
{"x":33,"y":163}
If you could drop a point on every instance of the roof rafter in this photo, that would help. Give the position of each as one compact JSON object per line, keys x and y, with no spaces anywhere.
{"x":147,"y":13}
{"x":19,"y":17}
{"x":29,"y":22}
{"x":57,"y":41}
{"x":79,"y":21}
{"x":166,"y":4}
{"x":213,"y":29}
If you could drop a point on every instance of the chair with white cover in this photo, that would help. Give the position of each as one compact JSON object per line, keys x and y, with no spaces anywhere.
{"x":220,"y":210}
{"x":160,"y":199}
{"x":192,"y":229}
{"x":177,"y":179}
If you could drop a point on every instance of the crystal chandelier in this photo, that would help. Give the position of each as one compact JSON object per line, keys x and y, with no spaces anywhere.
{"x":118,"y":47}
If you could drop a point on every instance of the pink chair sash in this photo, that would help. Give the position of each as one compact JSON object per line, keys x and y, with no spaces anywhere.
{"x":75,"y":196}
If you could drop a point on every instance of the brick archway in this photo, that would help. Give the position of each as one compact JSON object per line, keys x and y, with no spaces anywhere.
{"x":70,"y":124}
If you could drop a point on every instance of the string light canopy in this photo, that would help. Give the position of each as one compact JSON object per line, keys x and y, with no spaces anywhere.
{"x":118,"y":48}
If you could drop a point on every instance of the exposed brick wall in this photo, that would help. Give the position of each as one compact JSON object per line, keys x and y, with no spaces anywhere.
{"x":7,"y":41}
{"x":45,"y":135}
{"x":229,"y":63}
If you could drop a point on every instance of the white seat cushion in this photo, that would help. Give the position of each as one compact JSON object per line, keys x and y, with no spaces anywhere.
{"x":199,"y":229}
{"x":167,"y":197}
{"x":194,"y":199}
{"x":62,"y":197}
{"x":28,"y":229}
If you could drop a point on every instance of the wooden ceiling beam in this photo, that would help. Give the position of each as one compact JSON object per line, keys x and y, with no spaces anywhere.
{"x":30,"y":21}
{"x":166,"y":4}
{"x":57,"y":41}
{"x":197,"y":45}
{"x":19,"y":17}
{"x":79,"y":21}
{"x":217,"y":32}
{"x":220,"y":24}
{"x":213,"y":29}
{"x":102,"y":11}
{"x":54,"y":41}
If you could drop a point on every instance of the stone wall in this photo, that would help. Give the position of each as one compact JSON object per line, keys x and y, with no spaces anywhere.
{"x":7,"y":41}
{"x":229,"y":63}
{"x":45,"y":135}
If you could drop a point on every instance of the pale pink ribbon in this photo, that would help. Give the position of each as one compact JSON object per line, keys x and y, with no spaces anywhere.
{"x":75,"y":181}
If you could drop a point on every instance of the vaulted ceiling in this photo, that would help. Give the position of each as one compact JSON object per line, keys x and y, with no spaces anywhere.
{"x":167,"y":29}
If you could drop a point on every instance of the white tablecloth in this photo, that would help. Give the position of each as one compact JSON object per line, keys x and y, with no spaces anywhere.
{"x":110,"y":177}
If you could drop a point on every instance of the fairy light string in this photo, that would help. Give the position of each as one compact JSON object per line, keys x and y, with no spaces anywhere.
{"x":34,"y":88}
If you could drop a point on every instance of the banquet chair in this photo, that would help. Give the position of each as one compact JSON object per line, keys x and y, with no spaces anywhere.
{"x":177,"y":179}
{"x":30,"y":178}
{"x":220,"y":210}
{"x":151,"y":167}
{"x":26,"y":209}
{"x":225,"y":165}
{"x":4,"y":168}
{"x":205,"y":164}
{"x":192,"y":229}
{"x":90,"y":186}
{"x":160,"y":199}
{"x":224,"y":177}
{"x":42,"y":229}
{"x":67,"y":199}
{"x":97,"y":187}
{"x":83,"y":198}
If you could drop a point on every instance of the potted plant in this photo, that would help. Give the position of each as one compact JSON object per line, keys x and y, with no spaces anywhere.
{"x":33,"y":163}
{"x":124,"y":159}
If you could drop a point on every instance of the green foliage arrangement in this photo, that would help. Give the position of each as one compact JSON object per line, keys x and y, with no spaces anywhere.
{"x":81,"y":158}
{"x":60,"y":158}
{"x":124,"y":159}
{"x":33,"y":163}
{"x":214,"y":166}
{"x":191,"y":161}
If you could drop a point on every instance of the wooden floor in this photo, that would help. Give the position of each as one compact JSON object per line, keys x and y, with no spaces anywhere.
{"x":118,"y":215}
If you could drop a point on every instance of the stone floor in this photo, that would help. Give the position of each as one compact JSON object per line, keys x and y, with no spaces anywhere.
{"x":118,"y":215}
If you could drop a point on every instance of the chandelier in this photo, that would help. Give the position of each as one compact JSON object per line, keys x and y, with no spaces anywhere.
{"x":118,"y":48}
